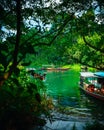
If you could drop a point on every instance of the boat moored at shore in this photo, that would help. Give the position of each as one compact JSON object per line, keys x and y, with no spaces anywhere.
{"x":93,"y":84}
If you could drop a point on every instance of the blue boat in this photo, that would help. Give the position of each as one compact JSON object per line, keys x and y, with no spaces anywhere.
{"x":93,"y":84}
{"x":100,"y":74}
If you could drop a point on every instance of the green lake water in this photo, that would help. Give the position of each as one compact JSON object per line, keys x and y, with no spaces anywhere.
{"x":63,"y":87}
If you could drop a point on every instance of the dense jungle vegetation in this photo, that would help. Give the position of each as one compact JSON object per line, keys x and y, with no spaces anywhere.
{"x":36,"y":32}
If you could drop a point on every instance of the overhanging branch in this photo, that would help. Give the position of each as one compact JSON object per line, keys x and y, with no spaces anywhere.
{"x":94,"y":47}
{"x":16,"y":49}
{"x":65,"y":22}
{"x":85,"y":63}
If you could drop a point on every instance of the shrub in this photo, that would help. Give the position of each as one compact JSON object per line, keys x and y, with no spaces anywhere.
{"x":22,"y":103}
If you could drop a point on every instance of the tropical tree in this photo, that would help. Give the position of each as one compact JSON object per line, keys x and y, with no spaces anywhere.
{"x":27,"y":26}
{"x":17,"y":39}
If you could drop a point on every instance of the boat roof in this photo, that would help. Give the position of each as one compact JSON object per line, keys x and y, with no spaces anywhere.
{"x":87,"y":74}
{"x":30,"y":69}
{"x":100,"y":74}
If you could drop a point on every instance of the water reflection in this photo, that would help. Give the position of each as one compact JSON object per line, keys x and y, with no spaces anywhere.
{"x":63,"y":87}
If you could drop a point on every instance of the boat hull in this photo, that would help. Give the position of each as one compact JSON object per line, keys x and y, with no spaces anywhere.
{"x":95,"y":95}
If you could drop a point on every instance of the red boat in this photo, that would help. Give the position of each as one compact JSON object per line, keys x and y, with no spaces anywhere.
{"x":93,"y":84}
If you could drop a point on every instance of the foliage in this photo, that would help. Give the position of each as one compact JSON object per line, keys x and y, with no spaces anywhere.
{"x":75,"y":67}
{"x":22,"y":103}
{"x":50,"y":23}
{"x":34,"y":32}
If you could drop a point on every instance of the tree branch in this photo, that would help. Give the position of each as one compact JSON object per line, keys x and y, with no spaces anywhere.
{"x":54,"y":38}
{"x":85,"y":63}
{"x":16,"y":49}
{"x":90,"y":45}
{"x":57,"y":30}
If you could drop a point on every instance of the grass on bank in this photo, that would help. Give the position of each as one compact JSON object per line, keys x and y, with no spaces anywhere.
{"x":77,"y":67}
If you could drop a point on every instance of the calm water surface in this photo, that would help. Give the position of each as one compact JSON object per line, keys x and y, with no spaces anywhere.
{"x":63,"y":87}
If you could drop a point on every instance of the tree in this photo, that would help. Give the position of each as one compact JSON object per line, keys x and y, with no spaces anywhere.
{"x":25,"y":14}
{"x":27,"y":26}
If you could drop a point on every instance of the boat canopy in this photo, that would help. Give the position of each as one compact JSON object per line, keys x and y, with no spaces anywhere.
{"x":87,"y":74}
{"x":100,"y":74}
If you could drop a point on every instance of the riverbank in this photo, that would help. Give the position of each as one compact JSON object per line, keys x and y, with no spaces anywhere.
{"x":73,"y":109}
{"x":69,"y":118}
{"x":64,"y":125}
{"x":62,"y":121}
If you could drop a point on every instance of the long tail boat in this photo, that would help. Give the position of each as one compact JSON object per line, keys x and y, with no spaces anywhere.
{"x":92,"y":84}
{"x":37,"y":75}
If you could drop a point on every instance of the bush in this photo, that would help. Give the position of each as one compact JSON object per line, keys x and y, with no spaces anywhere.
{"x":22,"y":102}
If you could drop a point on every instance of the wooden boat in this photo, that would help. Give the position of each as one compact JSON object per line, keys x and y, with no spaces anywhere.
{"x":39,"y":76}
{"x":62,"y":69}
{"x":93,"y":84}
{"x":55,"y":69}
{"x":35,"y":74}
